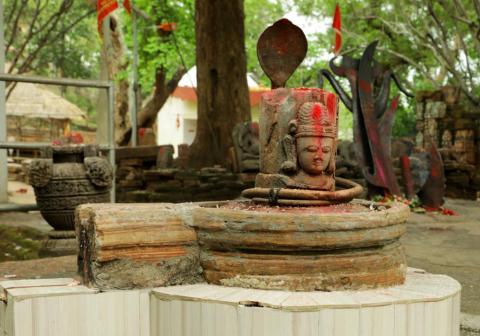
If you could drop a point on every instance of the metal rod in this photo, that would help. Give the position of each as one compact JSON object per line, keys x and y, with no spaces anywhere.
{"x":111,"y":135}
{"x":23,"y":145}
{"x":56,"y":81}
{"x":133,"y":102}
{"x":3,"y":117}
{"x":18,"y":207}
{"x":35,"y":145}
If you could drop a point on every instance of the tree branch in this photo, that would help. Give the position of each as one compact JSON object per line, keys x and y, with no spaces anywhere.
{"x":15,"y":27}
{"x":53,"y":19}
{"x":9,"y":15}
{"x":48,"y":40}
{"x":27,"y":63}
{"x":412,"y":62}
{"x":149,"y":112}
{"x":30,"y":30}
{"x":476,"y":4}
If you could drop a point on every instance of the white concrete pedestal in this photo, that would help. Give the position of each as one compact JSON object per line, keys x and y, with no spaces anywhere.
{"x":426,"y":305}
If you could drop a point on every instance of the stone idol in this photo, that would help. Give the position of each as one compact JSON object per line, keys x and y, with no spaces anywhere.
{"x":300,"y":142}
{"x":297,"y":130}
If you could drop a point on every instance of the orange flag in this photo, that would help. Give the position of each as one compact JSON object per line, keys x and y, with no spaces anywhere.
{"x":104,"y":7}
{"x":168,"y":26}
{"x":128,"y":6}
{"x":337,"y":28}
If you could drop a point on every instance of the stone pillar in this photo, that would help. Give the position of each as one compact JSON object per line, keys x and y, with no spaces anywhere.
{"x":465,"y":144}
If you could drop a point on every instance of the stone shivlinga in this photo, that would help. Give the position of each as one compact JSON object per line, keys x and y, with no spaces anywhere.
{"x":301,"y":230}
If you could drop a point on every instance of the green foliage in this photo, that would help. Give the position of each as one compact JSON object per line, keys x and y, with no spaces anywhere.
{"x":19,"y":243}
{"x":426,"y":43}
{"x":162,"y":50}
{"x":84,"y":100}
{"x":357,"y":34}
{"x":52,"y":38}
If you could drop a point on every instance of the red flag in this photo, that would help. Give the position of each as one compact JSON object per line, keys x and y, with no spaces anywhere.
{"x":168,"y":26}
{"x":128,"y":6}
{"x":104,"y":7}
{"x":337,"y":28}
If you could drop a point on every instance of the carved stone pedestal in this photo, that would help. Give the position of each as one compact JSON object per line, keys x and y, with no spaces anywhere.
{"x":59,"y":243}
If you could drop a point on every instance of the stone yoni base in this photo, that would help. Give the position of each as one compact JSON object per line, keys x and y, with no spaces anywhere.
{"x":337,"y":247}
{"x":426,"y":305}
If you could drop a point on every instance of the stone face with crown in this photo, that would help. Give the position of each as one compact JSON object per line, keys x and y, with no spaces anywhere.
{"x":298,"y":139}
{"x":298,"y":143}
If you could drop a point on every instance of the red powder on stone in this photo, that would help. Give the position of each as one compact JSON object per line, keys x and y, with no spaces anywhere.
{"x":336,"y":208}
{"x":316,"y":112}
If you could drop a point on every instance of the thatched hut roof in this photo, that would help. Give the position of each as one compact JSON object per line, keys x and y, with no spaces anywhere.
{"x":31,"y":101}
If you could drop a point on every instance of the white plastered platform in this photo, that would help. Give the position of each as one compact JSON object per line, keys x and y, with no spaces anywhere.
{"x":426,"y":305}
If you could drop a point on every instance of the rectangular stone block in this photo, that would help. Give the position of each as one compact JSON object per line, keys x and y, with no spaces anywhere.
{"x":435,"y":109}
{"x":420,"y":110}
{"x":125,"y":246}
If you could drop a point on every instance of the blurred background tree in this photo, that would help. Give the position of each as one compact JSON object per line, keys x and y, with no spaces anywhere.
{"x":427,"y":43}
{"x":55,"y":39}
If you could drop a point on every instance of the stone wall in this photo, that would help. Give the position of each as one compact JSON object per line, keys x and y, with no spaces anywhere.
{"x":447,"y":119}
{"x":146,"y":174}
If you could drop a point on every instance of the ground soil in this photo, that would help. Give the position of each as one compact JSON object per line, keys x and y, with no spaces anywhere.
{"x":449,"y":245}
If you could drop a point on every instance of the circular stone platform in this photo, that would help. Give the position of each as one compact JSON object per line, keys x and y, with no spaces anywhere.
{"x":425,"y":305}
{"x":346,"y":246}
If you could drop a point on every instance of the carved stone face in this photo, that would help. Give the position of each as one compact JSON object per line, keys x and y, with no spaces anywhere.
{"x":314,"y":153}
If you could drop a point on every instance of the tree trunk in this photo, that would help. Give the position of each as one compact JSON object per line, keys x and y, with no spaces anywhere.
{"x":148,"y":114}
{"x":113,"y":62}
{"x":222,"y":90}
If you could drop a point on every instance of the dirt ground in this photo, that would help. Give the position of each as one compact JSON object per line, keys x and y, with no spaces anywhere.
{"x":449,"y":245}
{"x":433,"y":242}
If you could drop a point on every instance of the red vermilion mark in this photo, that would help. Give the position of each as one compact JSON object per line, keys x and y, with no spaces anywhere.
{"x":316,"y":112}
{"x":365,"y":86}
{"x":394,"y":103}
{"x":449,"y":212}
{"x":405,"y":161}
{"x":434,"y":172}
{"x":379,"y":169}
{"x":332,"y":105}
{"x":254,"y":127}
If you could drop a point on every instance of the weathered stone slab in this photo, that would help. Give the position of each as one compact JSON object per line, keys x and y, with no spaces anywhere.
{"x":136,"y":246}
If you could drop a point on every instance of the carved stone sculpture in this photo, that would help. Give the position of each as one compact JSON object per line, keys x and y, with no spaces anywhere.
{"x":298,"y":138}
{"x":372,"y":115}
{"x":245,"y":141}
{"x":299,"y":244}
{"x":66,"y":177}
